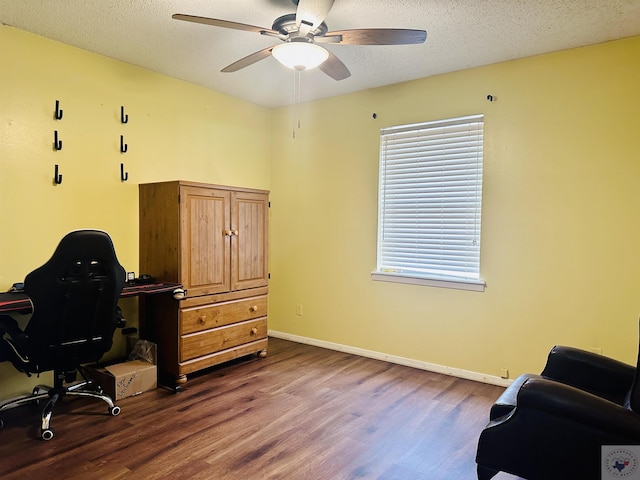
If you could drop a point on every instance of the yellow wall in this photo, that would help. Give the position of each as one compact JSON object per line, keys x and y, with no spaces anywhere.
{"x":560,"y":218}
{"x":176,"y":131}
{"x":560,"y":226}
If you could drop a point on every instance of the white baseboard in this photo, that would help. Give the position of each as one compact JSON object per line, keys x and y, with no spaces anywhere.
{"x":408,"y":362}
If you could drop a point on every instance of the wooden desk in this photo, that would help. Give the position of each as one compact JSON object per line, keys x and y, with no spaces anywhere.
{"x":20,"y":302}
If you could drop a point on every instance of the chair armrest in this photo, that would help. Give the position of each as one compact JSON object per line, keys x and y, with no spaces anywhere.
{"x":603,"y":376}
{"x":9,"y":325}
{"x":572,"y":404}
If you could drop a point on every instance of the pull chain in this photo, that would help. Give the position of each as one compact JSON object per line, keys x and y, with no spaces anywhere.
{"x":296,"y":99}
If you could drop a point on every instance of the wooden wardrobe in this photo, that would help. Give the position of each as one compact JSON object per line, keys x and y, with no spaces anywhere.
{"x":213,"y":240}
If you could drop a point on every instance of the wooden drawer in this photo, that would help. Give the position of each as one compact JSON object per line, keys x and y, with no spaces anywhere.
{"x":206,"y":342}
{"x":190,"y":366}
{"x":209,"y":316}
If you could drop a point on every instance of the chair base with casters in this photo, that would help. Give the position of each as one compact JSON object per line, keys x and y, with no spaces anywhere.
{"x":553,"y":426}
{"x":64,"y":384}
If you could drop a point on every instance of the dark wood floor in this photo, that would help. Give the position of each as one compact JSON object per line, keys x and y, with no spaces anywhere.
{"x":302,"y":413}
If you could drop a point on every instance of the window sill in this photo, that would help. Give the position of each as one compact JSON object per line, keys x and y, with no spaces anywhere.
{"x":455,"y":283}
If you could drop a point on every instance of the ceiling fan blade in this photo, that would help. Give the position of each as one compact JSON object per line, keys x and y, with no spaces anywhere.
{"x":311,"y":13}
{"x":376,"y":36}
{"x":224,"y":23}
{"x":334,"y":67}
{"x":248,"y":60}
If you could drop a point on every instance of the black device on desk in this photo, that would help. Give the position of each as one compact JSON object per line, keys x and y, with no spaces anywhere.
{"x":143,"y":279}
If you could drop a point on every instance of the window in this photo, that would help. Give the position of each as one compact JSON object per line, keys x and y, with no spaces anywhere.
{"x":429,"y":203}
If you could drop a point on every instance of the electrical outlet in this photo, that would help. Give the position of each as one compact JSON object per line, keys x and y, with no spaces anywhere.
{"x":504,"y":373}
{"x":299,"y":310}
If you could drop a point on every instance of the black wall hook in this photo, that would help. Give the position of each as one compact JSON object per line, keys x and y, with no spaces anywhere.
{"x":58,"y":113}
{"x":57,"y":144}
{"x":123,"y":118}
{"x":124,"y":176}
{"x":57,"y":178}
{"x":123,"y":146}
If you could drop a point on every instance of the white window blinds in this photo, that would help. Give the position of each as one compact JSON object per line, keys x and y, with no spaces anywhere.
{"x":430,"y":198}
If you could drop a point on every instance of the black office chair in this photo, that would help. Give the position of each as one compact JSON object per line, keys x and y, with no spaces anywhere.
{"x":554,"y":425}
{"x":75,"y":314}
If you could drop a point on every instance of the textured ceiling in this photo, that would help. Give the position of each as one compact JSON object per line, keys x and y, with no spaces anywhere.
{"x":461,"y":34}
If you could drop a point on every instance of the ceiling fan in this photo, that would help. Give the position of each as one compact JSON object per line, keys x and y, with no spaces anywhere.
{"x":301,"y":33}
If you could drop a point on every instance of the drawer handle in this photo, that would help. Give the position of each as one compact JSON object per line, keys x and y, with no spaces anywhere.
{"x":254,"y":308}
{"x":202,"y":319}
{"x":254,"y":330}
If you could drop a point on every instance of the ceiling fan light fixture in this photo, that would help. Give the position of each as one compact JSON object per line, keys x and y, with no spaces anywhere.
{"x":300,"y":55}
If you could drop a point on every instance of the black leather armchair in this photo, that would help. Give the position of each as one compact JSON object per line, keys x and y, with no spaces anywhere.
{"x":553,"y":425}
{"x":75,"y":314}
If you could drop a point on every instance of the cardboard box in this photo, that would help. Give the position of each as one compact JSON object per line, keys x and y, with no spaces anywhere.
{"x":129,"y":378}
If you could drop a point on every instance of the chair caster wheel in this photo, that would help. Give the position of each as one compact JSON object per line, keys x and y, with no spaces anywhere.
{"x":115,"y":410}
{"x":47,"y":434}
